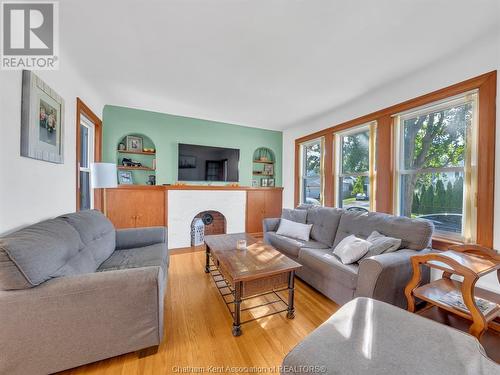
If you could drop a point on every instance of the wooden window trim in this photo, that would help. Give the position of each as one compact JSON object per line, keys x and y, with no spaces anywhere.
{"x":486,"y":85}
{"x":82,"y":108}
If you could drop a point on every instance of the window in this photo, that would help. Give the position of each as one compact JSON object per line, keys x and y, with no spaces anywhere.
{"x":355,"y":168}
{"x":436,"y":167}
{"x":86,"y":157}
{"x":312,"y":172}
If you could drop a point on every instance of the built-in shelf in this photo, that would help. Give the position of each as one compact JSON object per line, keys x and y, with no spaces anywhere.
{"x":135,"y":168}
{"x":136,"y":152}
{"x":264,"y":162}
{"x":259,"y":173}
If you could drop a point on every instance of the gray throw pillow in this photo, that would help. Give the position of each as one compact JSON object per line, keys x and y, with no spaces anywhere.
{"x":351,"y":249}
{"x":381,"y":244}
{"x":299,"y":216}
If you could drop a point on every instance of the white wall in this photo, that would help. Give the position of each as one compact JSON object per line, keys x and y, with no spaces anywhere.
{"x":472,"y":60}
{"x":32,"y":190}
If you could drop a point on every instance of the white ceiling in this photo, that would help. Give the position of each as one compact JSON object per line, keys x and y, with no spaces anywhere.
{"x":262,"y":63}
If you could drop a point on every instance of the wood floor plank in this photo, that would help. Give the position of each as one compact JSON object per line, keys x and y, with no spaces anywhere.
{"x":198,"y":328}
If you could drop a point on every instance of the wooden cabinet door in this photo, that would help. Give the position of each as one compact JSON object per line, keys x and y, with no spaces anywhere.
{"x":273,"y":203}
{"x":121,"y":209}
{"x":129,"y":208}
{"x":256,"y":206}
{"x":151,"y":209}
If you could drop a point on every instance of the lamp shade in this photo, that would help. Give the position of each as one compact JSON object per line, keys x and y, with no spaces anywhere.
{"x":103,"y":175}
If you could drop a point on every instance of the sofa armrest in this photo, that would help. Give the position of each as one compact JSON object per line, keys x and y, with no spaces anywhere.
{"x":385,"y":276}
{"x":270,"y":225}
{"x":101,"y":314}
{"x":140,"y":237}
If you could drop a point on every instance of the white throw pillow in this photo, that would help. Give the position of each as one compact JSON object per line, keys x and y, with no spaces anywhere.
{"x":351,"y":249}
{"x":295,"y":230}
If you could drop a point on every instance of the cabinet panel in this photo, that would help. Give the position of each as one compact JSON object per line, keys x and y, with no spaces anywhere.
{"x":273,"y":203}
{"x":256,"y":205}
{"x":262,"y":204}
{"x":130,"y":208}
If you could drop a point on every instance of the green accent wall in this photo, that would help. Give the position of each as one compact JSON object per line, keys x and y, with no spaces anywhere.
{"x":167,"y":131}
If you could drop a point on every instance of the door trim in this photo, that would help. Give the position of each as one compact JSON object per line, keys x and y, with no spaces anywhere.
{"x":82,"y":108}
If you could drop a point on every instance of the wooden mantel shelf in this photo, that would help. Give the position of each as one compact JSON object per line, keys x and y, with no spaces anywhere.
{"x":195,"y":187}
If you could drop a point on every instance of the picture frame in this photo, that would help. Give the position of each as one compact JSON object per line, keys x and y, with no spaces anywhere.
{"x":270,"y":182}
{"x":125,"y":178}
{"x":134,"y":143}
{"x":42,"y":120}
{"x":268,"y":170}
{"x":187,"y":161}
{"x":263,"y":182}
{"x":255,"y":183}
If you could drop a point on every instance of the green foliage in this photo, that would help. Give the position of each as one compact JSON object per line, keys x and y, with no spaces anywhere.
{"x":358,"y":186}
{"x":355,"y":156}
{"x":429,"y":200}
{"x":313,"y":159}
{"x":440,"y":197}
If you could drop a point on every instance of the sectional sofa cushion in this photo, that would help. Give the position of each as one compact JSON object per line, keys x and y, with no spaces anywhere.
{"x":351,"y":249}
{"x":96,"y":231}
{"x":147,"y":256}
{"x":36,"y":253}
{"x":294,"y":230}
{"x":416,"y":234}
{"x":325,"y":221}
{"x":296,"y":215}
{"x":328,"y":265}
{"x":291,"y":246}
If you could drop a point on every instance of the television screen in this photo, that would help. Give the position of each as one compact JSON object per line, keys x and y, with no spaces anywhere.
{"x":205,"y":163}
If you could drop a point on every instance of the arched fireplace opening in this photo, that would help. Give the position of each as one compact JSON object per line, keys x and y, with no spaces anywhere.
{"x":213,"y":223}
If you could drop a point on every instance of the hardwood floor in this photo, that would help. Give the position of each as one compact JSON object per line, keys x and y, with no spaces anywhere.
{"x":198,"y":328}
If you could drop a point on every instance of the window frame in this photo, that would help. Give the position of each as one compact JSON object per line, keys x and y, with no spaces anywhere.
{"x":469,"y":213}
{"x":486,"y":84}
{"x":338,"y":174}
{"x":321,"y":173}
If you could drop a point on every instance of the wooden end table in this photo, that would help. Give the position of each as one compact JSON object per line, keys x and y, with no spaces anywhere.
{"x":244,"y":274}
{"x":469,"y":261}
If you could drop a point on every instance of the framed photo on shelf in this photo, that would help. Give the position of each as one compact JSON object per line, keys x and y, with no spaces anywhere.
{"x":125,"y":178}
{"x":42,"y":115}
{"x":268,"y":170}
{"x":134,"y":143}
{"x":270,"y":182}
{"x":263,"y":182}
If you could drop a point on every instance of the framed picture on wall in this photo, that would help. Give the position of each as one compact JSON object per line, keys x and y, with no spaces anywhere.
{"x":125,"y":178}
{"x":255,"y":183}
{"x":268,"y":169}
{"x":270,"y":182}
{"x":263,"y":182}
{"x":134,"y":143}
{"x":42,"y":120}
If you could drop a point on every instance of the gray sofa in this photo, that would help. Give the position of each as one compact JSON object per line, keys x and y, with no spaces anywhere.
{"x":366,"y":336}
{"x":382,"y":277}
{"x":74,"y":290}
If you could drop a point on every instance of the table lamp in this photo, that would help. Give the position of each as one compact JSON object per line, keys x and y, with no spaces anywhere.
{"x":103,"y":176}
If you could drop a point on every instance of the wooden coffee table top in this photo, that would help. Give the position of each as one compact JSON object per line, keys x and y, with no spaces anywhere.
{"x":257,"y":261}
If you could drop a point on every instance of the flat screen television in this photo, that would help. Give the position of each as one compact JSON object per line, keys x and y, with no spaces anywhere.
{"x":206,"y":163}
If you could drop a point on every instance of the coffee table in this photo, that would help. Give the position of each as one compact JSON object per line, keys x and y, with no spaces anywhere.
{"x":260,"y":270}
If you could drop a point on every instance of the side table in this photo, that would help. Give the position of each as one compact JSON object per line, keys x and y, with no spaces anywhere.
{"x":468,"y":261}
